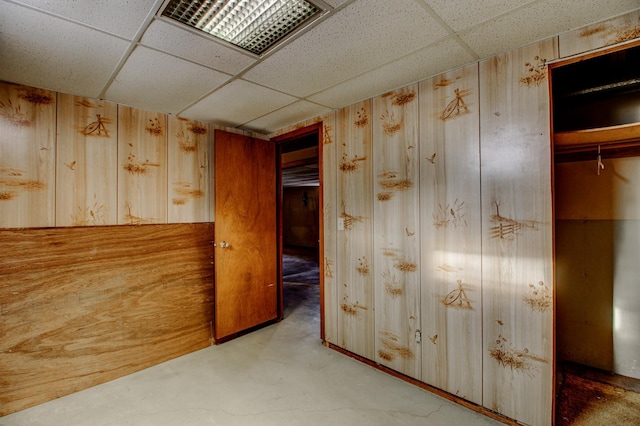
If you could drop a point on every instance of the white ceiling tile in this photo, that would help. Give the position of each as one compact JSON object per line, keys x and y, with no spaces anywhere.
{"x":435,"y":59}
{"x":201,"y":49}
{"x":334,"y":3}
{"x":345,"y":57}
{"x":120,"y":17}
{"x":463,"y":14}
{"x":358,"y":38}
{"x":291,"y":114}
{"x":236,"y":103}
{"x":524,"y":25}
{"x":160,"y":82}
{"x":43,"y":51}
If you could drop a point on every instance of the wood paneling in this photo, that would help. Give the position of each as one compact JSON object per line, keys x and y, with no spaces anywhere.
{"x":601,"y":34}
{"x":506,"y":212}
{"x":328,"y":235}
{"x":142,"y":166}
{"x":27,"y":156}
{"x":451,"y":233}
{"x":87,"y":162}
{"x":354,"y":239}
{"x":517,"y":260}
{"x":81,"y":306}
{"x":396,"y":239}
{"x":188,"y":170}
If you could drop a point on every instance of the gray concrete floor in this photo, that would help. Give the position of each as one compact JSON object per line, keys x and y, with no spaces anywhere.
{"x":278,"y":375}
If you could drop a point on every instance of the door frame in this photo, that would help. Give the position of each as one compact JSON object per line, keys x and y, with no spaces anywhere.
{"x":281,"y":140}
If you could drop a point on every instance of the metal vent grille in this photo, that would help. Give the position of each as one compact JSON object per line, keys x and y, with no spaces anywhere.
{"x":254,"y":25}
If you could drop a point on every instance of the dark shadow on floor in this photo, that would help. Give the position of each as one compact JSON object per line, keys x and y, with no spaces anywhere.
{"x":303,"y":298}
{"x":586,"y":396}
{"x":300,"y":265}
{"x":301,"y":279}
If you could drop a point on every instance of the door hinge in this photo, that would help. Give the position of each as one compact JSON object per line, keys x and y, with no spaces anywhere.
{"x":418,"y":336}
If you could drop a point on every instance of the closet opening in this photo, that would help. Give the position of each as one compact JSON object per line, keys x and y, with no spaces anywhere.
{"x":596,"y":126}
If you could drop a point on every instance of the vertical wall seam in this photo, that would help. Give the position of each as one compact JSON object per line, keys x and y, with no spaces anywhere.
{"x":482,"y":307}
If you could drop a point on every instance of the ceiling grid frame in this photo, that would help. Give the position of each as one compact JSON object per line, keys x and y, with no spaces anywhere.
{"x":102,"y":49}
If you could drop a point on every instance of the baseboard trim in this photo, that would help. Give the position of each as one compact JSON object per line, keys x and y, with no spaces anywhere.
{"x":470,"y":405}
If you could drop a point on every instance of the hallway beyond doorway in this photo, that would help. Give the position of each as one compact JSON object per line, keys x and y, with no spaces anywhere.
{"x":300,"y":265}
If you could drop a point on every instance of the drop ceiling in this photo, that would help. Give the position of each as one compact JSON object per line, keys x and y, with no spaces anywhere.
{"x":126,"y":52}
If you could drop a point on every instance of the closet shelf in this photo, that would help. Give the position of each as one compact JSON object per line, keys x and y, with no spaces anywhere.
{"x":624,"y":133}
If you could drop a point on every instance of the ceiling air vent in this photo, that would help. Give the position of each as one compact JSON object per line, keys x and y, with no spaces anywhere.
{"x":254,"y":25}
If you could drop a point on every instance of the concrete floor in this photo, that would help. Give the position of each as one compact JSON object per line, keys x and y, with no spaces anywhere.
{"x":278,"y":375}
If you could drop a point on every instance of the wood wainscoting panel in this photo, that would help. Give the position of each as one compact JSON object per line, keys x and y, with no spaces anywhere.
{"x":87,"y":162}
{"x":355,"y":201}
{"x":188,"y":169}
{"x":451,"y":288}
{"x":27,"y":156}
{"x":396,"y":219}
{"x":517,"y":236}
{"x":82,"y":306}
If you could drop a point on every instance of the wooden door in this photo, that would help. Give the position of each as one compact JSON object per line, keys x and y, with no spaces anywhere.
{"x":245,"y":233}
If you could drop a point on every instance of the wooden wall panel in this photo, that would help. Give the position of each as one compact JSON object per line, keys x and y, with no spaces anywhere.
{"x":328,"y":236}
{"x":142,"y":166}
{"x":354,"y":238}
{"x":87,"y":162}
{"x":396,"y":239}
{"x":188,"y":170}
{"x":517,"y":262}
{"x":81,"y":306}
{"x":451,"y":233}
{"x":27,"y":156}
{"x":601,"y":34}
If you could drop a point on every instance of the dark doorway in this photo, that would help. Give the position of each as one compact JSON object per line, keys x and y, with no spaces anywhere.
{"x":300,"y":220}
